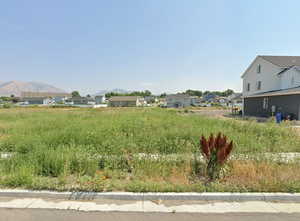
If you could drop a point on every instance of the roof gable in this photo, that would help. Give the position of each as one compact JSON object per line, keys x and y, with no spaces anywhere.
{"x":249,"y":66}
{"x":282,"y":61}
{"x":279,"y":61}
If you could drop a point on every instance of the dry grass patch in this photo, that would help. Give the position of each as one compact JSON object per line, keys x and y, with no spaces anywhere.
{"x":180,"y":176}
{"x":263,"y":176}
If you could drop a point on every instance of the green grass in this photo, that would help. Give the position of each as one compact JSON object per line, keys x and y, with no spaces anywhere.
{"x":113,"y":131}
{"x":94,"y":149}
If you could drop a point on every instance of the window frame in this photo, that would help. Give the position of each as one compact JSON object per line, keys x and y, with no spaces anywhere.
{"x":258,"y":87}
{"x":258,"y":69}
{"x":248,"y":87}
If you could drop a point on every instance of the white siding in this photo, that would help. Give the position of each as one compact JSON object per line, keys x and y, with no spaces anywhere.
{"x":268,"y":77}
{"x":140,"y":102}
{"x":290,"y":78}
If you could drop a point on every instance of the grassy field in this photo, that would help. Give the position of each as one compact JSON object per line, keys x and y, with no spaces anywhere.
{"x":96,"y":149}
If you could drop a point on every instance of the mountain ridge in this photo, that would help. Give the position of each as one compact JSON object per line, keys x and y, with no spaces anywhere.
{"x":17,"y":87}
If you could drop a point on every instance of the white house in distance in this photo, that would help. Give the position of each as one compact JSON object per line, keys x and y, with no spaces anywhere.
{"x":44,"y":98}
{"x":126,"y":101}
{"x":99,"y":99}
{"x":270,"y":84}
{"x":178,"y":100}
{"x":235,"y":100}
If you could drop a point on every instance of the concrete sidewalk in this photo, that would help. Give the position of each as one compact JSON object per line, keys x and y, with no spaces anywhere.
{"x":162,"y":206}
{"x":152,"y":202}
{"x":231,"y":197}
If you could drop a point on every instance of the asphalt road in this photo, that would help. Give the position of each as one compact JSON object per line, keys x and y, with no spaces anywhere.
{"x":60,"y":215}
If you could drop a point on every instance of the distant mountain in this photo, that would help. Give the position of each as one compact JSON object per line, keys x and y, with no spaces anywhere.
{"x":117,"y":90}
{"x":16,"y":87}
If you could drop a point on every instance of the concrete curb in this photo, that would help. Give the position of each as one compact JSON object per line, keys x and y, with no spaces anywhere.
{"x":228,"y":197}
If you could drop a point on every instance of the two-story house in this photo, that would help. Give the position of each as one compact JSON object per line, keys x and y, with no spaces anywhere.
{"x":271,"y":84}
{"x":178,"y":100}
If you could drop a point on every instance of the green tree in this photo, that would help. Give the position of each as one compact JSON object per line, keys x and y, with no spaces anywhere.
{"x":163,"y":95}
{"x":147,"y":93}
{"x":134,"y":93}
{"x":75,"y":94}
{"x":228,"y":92}
{"x":206,"y":92}
{"x":111,"y":94}
{"x":193,"y":92}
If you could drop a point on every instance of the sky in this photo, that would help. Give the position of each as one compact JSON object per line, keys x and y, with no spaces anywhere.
{"x":157,"y":45}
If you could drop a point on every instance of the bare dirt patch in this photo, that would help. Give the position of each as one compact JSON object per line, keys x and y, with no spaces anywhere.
{"x":217,"y":113}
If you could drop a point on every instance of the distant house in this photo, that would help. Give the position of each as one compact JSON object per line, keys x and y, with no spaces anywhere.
{"x":195,"y":101}
{"x":178,"y":100}
{"x":37,"y":100}
{"x":224,"y":101}
{"x":45,"y":94}
{"x":44,"y":97}
{"x":162,"y":102}
{"x":99,"y":99}
{"x":235,"y":99}
{"x":271,"y":84}
{"x":234,"y":96}
{"x":209,"y":97}
{"x":126,"y":101}
{"x":81,"y":101}
{"x":151,"y":99}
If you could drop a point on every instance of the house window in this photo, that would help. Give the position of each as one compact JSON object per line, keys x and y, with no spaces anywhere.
{"x":265,"y":103}
{"x":258,"y":68}
{"x":258,"y":85}
{"x":248,"y":87}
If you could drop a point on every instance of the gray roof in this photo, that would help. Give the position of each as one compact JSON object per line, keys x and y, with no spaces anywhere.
{"x":34,"y":98}
{"x":290,"y":91}
{"x":44,"y":94}
{"x":124,"y":98}
{"x":178,"y":96}
{"x":81,"y":99}
{"x":282,"y":61}
{"x":235,"y":96}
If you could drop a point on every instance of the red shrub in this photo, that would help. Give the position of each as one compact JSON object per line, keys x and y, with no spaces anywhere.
{"x":216,"y":150}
